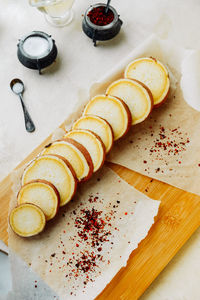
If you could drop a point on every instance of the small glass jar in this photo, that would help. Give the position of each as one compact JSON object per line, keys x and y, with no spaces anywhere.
{"x":58,"y":13}
{"x":101,"y":32}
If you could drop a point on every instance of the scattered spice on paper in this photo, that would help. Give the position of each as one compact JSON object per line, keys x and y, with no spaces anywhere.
{"x":93,"y":228}
{"x":164,"y":142}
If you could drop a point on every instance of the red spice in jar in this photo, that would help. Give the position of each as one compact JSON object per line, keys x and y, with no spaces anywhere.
{"x":98,"y":16}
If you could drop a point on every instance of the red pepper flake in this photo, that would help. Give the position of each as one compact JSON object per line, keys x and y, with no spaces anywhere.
{"x":144,"y":161}
{"x":87,"y":262}
{"x":98,"y":16}
{"x":198,"y":165}
{"x":91,"y":225}
{"x":126,"y":213}
{"x":179,"y":162}
{"x":92,"y":231}
{"x":168,"y":142}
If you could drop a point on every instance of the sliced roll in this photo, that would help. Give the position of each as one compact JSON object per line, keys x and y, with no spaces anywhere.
{"x":76,"y":154}
{"x":113,"y":110}
{"x":92,"y":143}
{"x":138,"y":97}
{"x":99,"y":126}
{"x":43,"y":194}
{"x":153,"y":74}
{"x":55,"y":169}
{"x":27,"y":220}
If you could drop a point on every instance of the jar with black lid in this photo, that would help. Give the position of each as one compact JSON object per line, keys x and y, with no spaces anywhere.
{"x":101,"y":32}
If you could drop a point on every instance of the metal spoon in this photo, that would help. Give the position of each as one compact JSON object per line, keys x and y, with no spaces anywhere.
{"x":107,"y":6}
{"x":17,"y":87}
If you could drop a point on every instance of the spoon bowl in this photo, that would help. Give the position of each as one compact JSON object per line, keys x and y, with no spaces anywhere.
{"x":17,"y":86}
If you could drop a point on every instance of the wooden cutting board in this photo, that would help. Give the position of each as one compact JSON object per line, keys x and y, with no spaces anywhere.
{"x":178,"y":218}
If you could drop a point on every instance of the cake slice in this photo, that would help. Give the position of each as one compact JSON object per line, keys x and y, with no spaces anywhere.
{"x":43,"y":194}
{"x":76,"y":154}
{"x":92,"y":143}
{"x":27,"y":220}
{"x":99,"y":126}
{"x":55,"y":169}
{"x":113,"y":110}
{"x":153,"y":74}
{"x":138,"y":97}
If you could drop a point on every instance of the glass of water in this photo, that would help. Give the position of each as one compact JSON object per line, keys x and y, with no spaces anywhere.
{"x":57,"y":12}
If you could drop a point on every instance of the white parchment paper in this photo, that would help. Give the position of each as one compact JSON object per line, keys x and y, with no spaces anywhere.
{"x":75,"y":256}
{"x":166,"y":145}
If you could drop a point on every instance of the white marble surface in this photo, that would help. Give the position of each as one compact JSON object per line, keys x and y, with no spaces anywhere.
{"x":52,"y":96}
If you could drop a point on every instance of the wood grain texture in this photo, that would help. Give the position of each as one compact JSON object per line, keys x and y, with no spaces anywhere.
{"x":178,"y":218}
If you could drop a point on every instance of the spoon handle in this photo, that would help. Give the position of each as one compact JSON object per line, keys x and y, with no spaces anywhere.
{"x":107,"y":6}
{"x":30,"y":127}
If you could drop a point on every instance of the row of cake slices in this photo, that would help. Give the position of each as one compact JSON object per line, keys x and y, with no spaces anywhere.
{"x":50,"y":180}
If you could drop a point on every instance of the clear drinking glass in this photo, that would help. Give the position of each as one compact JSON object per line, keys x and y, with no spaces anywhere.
{"x":57,"y":12}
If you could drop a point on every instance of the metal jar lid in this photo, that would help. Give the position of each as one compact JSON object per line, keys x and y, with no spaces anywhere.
{"x":37,"y":62}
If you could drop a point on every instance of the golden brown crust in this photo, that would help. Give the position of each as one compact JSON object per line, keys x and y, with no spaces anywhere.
{"x":102,"y":144}
{"x":110,"y":129}
{"x":47,"y":183}
{"x":164,"y":100}
{"x":73,"y":173}
{"x":150,"y":95}
{"x":71,"y":169}
{"x":128,"y":115}
{"x":98,"y":138}
{"x":85,"y":153}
